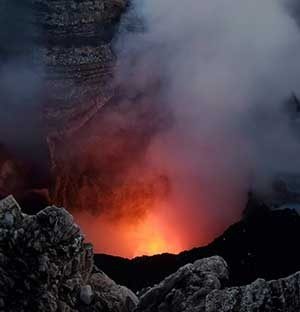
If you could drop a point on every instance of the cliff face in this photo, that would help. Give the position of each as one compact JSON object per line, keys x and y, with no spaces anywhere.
{"x":68,"y":47}
{"x":71,"y":41}
{"x":76,"y":49}
{"x":67,"y":44}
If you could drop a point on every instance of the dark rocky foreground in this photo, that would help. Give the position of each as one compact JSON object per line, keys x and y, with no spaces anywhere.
{"x":200,"y":287}
{"x":45,"y":265}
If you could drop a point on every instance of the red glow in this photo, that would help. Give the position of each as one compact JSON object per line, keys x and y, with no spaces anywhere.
{"x":152,"y":234}
{"x":160,"y":207}
{"x":143,"y":197}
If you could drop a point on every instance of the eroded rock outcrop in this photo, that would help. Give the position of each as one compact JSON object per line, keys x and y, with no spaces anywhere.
{"x":200,"y":287}
{"x":281,"y":295}
{"x":186,"y":290}
{"x":46,"y":266}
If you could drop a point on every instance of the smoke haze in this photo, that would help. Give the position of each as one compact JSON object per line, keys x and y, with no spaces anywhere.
{"x":21,"y":88}
{"x":226,"y":69}
{"x":206,"y":83}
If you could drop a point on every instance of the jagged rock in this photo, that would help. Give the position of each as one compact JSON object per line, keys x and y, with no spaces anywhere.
{"x":45,"y":264}
{"x":10,"y":213}
{"x":186,"y":290}
{"x":199,"y":287}
{"x":281,"y":295}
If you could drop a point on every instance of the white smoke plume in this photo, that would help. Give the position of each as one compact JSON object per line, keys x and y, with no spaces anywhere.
{"x":226,"y":69}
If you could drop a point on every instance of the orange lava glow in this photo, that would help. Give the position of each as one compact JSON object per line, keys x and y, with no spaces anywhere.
{"x":153,"y":236}
{"x":135,"y":202}
{"x":150,"y":235}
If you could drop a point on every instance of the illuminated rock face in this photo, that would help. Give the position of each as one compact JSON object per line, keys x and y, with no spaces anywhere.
{"x":68,"y":44}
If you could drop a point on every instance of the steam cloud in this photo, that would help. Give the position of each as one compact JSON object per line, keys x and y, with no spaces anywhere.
{"x":222,"y":72}
{"x":226,"y":69}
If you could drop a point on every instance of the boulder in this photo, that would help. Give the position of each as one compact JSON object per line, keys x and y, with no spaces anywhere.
{"x":186,"y":290}
{"x":45,"y":265}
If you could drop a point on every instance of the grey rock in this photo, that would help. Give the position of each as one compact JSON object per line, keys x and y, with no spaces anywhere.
{"x":281,"y":295}
{"x":10,"y":212}
{"x":186,"y":290}
{"x":86,"y":294}
{"x":198,"y":287}
{"x":8,"y":219}
{"x":50,"y":267}
{"x":111,"y":295}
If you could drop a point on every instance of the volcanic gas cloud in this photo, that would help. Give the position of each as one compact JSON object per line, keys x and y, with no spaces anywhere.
{"x":219,"y":73}
{"x":140,"y":191}
{"x":197,"y":120}
{"x":139,"y":199}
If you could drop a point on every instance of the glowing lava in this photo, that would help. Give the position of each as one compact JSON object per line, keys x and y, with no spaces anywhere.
{"x":153,"y":236}
{"x":134,"y":203}
{"x":146,"y":236}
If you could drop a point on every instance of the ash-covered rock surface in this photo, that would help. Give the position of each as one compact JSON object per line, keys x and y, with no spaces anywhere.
{"x":186,"y":290}
{"x":201,"y":287}
{"x":281,"y":295}
{"x":46,"y":266}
